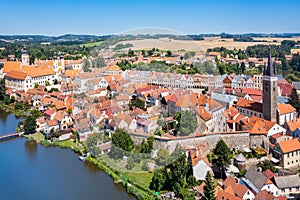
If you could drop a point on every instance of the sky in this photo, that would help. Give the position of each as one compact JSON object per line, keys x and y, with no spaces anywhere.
{"x":97,"y":17}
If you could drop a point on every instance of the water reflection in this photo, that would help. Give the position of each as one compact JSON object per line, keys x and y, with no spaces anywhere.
{"x":91,"y":167}
{"x":31,"y":148}
{"x":3,"y":116}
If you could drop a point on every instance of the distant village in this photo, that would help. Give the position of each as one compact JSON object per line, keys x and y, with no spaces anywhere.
{"x":250,"y":113}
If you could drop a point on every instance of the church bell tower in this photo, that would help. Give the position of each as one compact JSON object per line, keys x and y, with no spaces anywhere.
{"x":25,"y":56}
{"x":270,"y":90}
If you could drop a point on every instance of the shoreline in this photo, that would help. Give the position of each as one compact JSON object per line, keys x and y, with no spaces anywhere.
{"x":10,"y":110}
{"x":131,"y":188}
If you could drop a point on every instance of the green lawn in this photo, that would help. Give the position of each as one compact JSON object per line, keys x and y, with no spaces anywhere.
{"x":38,"y":137}
{"x":142,"y":179}
{"x":136,"y":176}
{"x":76,"y":146}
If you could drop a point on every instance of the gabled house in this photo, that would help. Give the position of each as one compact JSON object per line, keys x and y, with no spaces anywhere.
{"x":264,"y":195}
{"x":249,"y":108}
{"x":288,"y":185}
{"x":64,"y":120}
{"x":200,"y":163}
{"x":293,"y":128}
{"x":257,"y":181}
{"x":259,"y":126}
{"x":288,"y":152}
{"x":238,"y":189}
{"x":52,"y":126}
{"x":285,"y":113}
{"x":41,"y":124}
{"x":84,"y":130}
{"x":49,"y":114}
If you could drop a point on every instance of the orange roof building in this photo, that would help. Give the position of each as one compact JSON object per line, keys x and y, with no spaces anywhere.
{"x":24,"y":77}
{"x":288,"y":152}
{"x":285,"y":109}
{"x":286,"y":113}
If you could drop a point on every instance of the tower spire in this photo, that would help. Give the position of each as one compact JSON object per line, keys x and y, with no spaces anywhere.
{"x":271,"y":67}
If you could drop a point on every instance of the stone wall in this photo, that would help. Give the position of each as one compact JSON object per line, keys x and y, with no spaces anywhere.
{"x":233,"y":140}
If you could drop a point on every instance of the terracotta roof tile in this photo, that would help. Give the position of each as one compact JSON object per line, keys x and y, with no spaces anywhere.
{"x":293,"y":125}
{"x":285,"y":109}
{"x":238,"y":188}
{"x":251,"y":105}
{"x":11,"y":65}
{"x":264,"y":195}
{"x":16,"y":74}
{"x":52,"y":122}
{"x":223,"y":195}
{"x":203,"y":113}
{"x":289,"y":145}
{"x":257,"y":125}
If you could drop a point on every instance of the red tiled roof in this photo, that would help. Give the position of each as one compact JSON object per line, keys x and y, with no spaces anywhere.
{"x":264,"y":195}
{"x":203,"y":113}
{"x":16,"y":74}
{"x":257,"y":125}
{"x":289,"y":145}
{"x":49,"y":112}
{"x":285,"y":109}
{"x":269,"y":174}
{"x":252,"y":91}
{"x":223,"y":195}
{"x":293,"y":125}
{"x":286,"y":89}
{"x":11,"y":65}
{"x":52,"y":122}
{"x":251,"y":105}
{"x":238,"y":188}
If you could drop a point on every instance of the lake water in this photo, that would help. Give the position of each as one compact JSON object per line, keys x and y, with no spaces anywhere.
{"x":34,"y":172}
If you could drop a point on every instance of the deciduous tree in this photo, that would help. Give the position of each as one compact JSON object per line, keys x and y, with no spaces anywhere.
{"x":122,"y":139}
{"x":29,"y":124}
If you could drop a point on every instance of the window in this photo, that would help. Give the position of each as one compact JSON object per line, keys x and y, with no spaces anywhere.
{"x":288,"y":163}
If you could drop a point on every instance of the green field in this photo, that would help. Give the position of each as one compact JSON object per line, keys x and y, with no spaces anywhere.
{"x":91,"y":44}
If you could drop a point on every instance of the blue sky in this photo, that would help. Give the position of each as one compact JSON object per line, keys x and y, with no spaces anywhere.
{"x":115,"y":16}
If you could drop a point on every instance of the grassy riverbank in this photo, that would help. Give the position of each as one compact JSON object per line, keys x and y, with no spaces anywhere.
{"x":10,"y":108}
{"x":133,"y":182}
{"x":66,"y":144}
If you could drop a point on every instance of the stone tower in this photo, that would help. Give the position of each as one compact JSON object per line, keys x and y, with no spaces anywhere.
{"x":25,"y":56}
{"x":270,"y":90}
